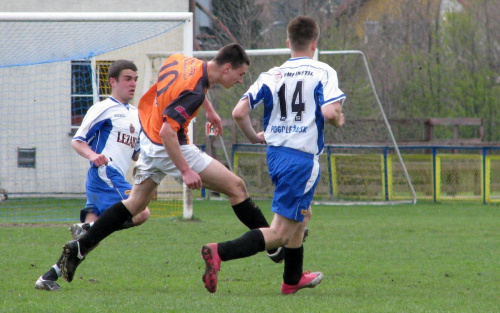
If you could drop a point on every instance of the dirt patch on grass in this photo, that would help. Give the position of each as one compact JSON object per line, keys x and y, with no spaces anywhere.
{"x":32,"y":225}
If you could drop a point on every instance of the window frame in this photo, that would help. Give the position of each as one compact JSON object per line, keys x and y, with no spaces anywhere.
{"x":77,"y":93}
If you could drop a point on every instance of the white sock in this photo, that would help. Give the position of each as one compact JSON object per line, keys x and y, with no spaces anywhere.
{"x":58,"y":271}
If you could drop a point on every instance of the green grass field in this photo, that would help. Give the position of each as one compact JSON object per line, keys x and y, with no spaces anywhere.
{"x":407,"y":258}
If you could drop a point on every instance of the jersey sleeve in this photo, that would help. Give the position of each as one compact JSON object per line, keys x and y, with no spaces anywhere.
{"x":331,"y":90}
{"x":91,"y":123}
{"x":261,"y":90}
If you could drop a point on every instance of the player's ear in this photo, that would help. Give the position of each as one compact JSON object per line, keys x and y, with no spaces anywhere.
{"x":314,"y":45}
{"x":226,"y":67}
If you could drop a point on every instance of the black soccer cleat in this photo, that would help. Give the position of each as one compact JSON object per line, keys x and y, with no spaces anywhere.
{"x":278,"y":256}
{"x":71,"y":258}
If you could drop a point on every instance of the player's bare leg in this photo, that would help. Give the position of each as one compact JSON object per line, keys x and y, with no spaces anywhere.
{"x":218,"y":178}
{"x":281,"y":232}
{"x":279,"y":255}
{"x":299,"y":237}
{"x":140,"y":196}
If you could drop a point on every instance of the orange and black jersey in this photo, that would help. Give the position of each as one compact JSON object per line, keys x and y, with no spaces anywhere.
{"x":176,"y":97}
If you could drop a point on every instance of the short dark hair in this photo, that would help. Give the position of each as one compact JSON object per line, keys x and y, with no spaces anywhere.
{"x":301,"y":31}
{"x":233,"y":54}
{"x":118,"y":66}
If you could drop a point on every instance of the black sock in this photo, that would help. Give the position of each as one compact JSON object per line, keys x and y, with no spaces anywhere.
{"x":110,"y":221}
{"x":127,"y":224}
{"x":251,"y":216}
{"x":247,"y":245}
{"x":52,"y":274}
{"x":294,"y":258}
{"x":58,"y":263}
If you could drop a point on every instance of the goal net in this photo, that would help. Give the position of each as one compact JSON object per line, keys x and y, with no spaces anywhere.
{"x":53,"y":67}
{"x":361,"y":162}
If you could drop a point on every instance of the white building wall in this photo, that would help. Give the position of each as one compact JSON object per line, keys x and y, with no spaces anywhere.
{"x":35,"y":103}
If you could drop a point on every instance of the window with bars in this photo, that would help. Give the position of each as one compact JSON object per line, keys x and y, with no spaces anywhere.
{"x":26,"y":157}
{"x":81,"y":87}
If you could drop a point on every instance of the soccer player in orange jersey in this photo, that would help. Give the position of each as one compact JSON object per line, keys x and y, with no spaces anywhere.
{"x":165,"y":112}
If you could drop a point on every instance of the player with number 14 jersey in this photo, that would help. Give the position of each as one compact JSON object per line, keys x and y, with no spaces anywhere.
{"x":297,"y":121}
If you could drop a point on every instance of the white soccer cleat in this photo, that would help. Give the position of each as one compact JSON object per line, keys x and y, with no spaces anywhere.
{"x":49,"y":285}
{"x":77,"y":230}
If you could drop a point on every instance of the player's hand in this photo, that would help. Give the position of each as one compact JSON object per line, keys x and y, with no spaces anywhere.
{"x":338,"y":121}
{"x":260,"y":138}
{"x":98,"y":159}
{"x":216,"y":122}
{"x":341,"y":120}
{"x":192,"y":179}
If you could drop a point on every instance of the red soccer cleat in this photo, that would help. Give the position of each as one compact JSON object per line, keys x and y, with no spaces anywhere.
{"x":308,"y":280}
{"x":209,"y":253}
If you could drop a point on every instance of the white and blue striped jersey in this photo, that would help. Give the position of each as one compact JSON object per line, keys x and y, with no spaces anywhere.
{"x":293,"y":95}
{"x":111,"y":128}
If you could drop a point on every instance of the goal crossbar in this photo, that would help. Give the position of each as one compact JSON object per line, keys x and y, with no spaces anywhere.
{"x":93,"y":16}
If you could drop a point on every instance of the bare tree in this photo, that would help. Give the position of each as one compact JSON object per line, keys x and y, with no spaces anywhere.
{"x":241,"y":18}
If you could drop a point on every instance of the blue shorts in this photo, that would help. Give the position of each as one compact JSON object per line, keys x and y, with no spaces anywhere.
{"x":105,"y":187}
{"x":295,"y":175}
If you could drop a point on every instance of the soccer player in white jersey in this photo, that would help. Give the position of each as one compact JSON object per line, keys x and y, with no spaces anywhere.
{"x":108,"y":138}
{"x":298,"y":97}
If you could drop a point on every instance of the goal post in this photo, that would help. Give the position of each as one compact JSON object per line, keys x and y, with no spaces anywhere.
{"x":384,"y":118}
{"x":362,"y":106}
{"x":53,"y":67}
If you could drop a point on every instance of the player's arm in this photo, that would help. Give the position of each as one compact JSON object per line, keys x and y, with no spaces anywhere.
{"x":83,"y":149}
{"x":212,"y":116}
{"x":90,"y":124}
{"x":135,"y":156}
{"x":333,"y":114}
{"x":241,"y":115}
{"x":173,"y":148}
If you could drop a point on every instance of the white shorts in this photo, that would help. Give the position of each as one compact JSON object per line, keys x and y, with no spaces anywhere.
{"x":157,"y":167}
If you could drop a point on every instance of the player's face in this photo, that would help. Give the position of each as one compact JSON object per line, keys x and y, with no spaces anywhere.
{"x":232,"y":76}
{"x":124,"y":87}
